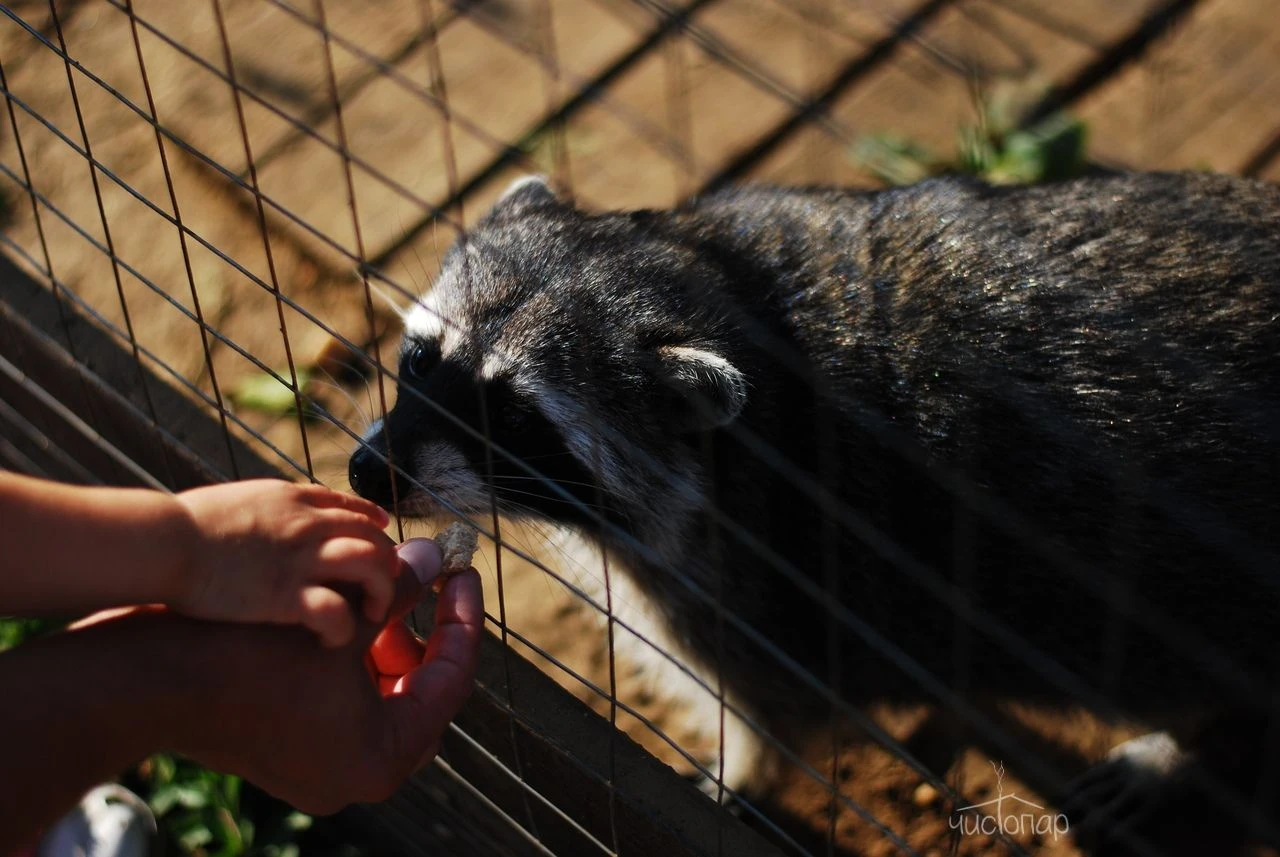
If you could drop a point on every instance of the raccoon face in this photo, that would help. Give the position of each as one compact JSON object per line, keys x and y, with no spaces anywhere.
{"x":561,"y":365}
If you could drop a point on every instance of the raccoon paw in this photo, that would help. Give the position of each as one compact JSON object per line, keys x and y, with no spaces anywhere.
{"x":744,"y":765}
{"x":709,"y":785}
{"x":1119,"y":806}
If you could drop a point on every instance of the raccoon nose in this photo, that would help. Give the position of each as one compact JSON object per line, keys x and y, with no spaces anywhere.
{"x":371,"y":478}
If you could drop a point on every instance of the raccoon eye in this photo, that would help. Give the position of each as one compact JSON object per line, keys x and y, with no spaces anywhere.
{"x":419,"y":362}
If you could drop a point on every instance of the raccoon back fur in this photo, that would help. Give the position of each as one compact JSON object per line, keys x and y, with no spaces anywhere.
{"x":983,"y":424}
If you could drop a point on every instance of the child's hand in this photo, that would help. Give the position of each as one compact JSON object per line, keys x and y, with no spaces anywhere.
{"x":267,"y":551}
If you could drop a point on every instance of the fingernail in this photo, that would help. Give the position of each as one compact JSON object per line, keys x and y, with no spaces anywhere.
{"x":423,"y":556}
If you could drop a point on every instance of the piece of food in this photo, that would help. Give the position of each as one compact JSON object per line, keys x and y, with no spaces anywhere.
{"x":458,"y":544}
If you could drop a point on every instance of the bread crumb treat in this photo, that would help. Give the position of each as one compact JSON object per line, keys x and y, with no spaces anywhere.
{"x":458,"y":544}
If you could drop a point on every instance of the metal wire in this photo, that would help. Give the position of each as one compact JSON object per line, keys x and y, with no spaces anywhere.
{"x":167,"y":437}
{"x":102,"y":218}
{"x":168,"y":298}
{"x":110,"y":247}
{"x":58,"y":296}
{"x":262,"y":214}
{"x":531,"y":793}
{"x":975,"y":718}
{"x":74,"y":421}
{"x":672,"y":25}
{"x":40,"y":437}
{"x":494,"y":808}
{"x":994,"y":733}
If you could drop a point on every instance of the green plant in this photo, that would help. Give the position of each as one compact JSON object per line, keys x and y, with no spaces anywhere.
{"x":201,"y":812}
{"x":997,"y":148}
{"x":15,"y":630}
{"x":545,"y":147}
{"x":266,"y":393}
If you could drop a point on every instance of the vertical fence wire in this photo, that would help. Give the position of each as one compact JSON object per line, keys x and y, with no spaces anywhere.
{"x":676,"y":32}
{"x":106,"y":227}
{"x":177,"y":217}
{"x":26,"y":182}
{"x":252,"y":170}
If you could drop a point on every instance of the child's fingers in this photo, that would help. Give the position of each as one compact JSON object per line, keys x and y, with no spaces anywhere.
{"x":396,"y":650}
{"x":335,"y":523}
{"x":335,"y":500}
{"x":327,"y":614}
{"x":459,"y":617}
{"x":407,"y":594}
{"x":368,"y":563}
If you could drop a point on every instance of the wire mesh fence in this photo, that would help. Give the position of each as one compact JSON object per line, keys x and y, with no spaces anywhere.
{"x":251,"y":197}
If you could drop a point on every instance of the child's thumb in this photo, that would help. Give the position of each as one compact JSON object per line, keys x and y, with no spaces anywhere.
{"x":423,"y":558}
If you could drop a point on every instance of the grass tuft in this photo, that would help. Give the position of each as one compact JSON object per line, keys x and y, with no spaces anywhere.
{"x":996,"y":148}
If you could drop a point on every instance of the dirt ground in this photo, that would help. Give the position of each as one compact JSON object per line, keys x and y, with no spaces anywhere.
{"x":152,"y":244}
{"x":877,"y":788}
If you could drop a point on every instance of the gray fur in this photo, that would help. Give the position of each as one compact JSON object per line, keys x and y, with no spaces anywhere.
{"x":1058,"y":404}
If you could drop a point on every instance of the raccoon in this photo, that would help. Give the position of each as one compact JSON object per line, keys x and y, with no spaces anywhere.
{"x":1023,"y":442}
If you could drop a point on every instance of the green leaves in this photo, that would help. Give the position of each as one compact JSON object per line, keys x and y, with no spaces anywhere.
{"x":1050,"y":150}
{"x":995,"y":149}
{"x":895,"y":160}
{"x":14,"y":631}
{"x":198,"y":810}
{"x":206,"y":814}
{"x":173,"y":795}
{"x":269,"y":394}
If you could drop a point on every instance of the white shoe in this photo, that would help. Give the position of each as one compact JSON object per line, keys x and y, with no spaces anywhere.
{"x":109,"y":821}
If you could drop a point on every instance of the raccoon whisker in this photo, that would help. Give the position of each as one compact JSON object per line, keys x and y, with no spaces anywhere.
{"x":529,"y":528}
{"x":480,"y":466}
{"x":574,"y":569}
{"x":420,"y":503}
{"x":571,"y":566}
{"x":341,"y":449}
{"x":341,"y":453}
{"x":386,"y":297}
{"x":547,"y":543}
{"x":545,"y":480}
{"x":524,"y":511}
{"x":506,"y":506}
{"x":346,"y":394}
{"x":374,"y":409}
{"x":625,"y":515}
{"x":503,"y":490}
{"x":368,"y":397}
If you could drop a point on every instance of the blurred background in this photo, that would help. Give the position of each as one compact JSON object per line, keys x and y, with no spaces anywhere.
{"x":203,"y":177}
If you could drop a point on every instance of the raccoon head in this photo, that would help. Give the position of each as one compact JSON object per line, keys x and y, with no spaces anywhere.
{"x":590,"y":351}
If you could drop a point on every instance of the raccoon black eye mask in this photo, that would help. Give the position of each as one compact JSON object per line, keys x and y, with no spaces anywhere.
{"x":1058,"y":402}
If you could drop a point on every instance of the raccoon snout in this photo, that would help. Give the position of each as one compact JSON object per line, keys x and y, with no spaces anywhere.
{"x":372,"y":478}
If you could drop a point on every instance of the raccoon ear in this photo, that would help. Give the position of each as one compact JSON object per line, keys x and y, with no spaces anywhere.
{"x":527,"y":192}
{"x":711,"y":388}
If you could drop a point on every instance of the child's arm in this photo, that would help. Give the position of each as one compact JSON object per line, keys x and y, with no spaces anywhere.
{"x":71,"y":550}
{"x":306,"y":723}
{"x":259,"y":551}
